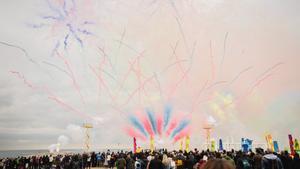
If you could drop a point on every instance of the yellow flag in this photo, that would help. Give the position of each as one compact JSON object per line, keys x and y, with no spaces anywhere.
{"x":139,"y":149}
{"x":181,"y":145}
{"x":213,"y":145}
{"x":151,"y":144}
{"x":269,"y":140}
{"x":297,"y":146}
{"x":187,"y":143}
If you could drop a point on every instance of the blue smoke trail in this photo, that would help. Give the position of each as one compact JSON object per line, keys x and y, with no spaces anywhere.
{"x":88,"y":23}
{"x":84,"y":31}
{"x":57,"y":11}
{"x":65,"y":8}
{"x":35,"y":26}
{"x":183,"y":123}
{"x":74,"y":34}
{"x":66,"y":41}
{"x":137,"y":124}
{"x":167,"y":115}
{"x":152,"y":119}
{"x":51,"y":17}
{"x":55,"y":48}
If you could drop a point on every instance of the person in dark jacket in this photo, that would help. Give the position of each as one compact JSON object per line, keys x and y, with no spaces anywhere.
{"x":129,"y":162}
{"x":286,"y":160}
{"x":190,"y":162}
{"x":121,"y":162}
{"x":156,"y":163}
{"x":257,"y":159}
{"x":271,"y":161}
{"x":296,"y":162}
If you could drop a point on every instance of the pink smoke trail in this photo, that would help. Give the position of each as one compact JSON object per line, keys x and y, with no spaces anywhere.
{"x":25,"y":81}
{"x":159,"y":123}
{"x":224,"y":51}
{"x":173,"y":64}
{"x":248,"y":93}
{"x":198,"y":96}
{"x":173,"y":90}
{"x":137,"y":69}
{"x":258,"y":83}
{"x":240,"y":73}
{"x":68,"y":107}
{"x":173,"y":124}
{"x":99,"y":76}
{"x":216,"y":84}
{"x":74,"y":82}
{"x":102,"y":50}
{"x":50,"y":94}
{"x":177,"y":60}
{"x":147,"y":125}
{"x":270,"y":69}
{"x":173,"y":49}
{"x":159,"y":87}
{"x":131,"y":132}
{"x":182,"y":134}
{"x":138,"y":88}
{"x":103,"y":84}
{"x":184,"y":76}
{"x":263,"y":77}
{"x":138,"y":74}
{"x":127,"y":75}
{"x":62,"y":103}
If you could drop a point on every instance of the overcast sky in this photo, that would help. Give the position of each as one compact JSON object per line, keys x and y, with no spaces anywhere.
{"x":64,"y":63}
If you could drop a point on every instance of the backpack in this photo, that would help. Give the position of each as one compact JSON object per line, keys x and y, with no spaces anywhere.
{"x":272,"y":164}
{"x":245,"y":164}
{"x":121,"y":163}
{"x":179,"y":162}
{"x":138,"y":165}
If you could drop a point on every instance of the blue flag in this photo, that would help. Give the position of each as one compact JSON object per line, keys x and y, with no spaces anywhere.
{"x":276,"y":147}
{"x":220,"y":145}
{"x":246,"y":144}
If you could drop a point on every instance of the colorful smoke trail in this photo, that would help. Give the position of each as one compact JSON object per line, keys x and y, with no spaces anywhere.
{"x":155,"y":125}
{"x":69,"y":22}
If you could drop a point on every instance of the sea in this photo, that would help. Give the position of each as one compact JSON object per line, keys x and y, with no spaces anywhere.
{"x":26,"y":153}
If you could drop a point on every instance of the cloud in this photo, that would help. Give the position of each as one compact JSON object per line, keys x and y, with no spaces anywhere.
{"x":75,"y":132}
{"x":6,"y":100}
{"x":63,"y":140}
{"x":53,"y":148}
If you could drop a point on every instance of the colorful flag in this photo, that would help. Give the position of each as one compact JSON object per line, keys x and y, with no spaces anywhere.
{"x":244,"y":145}
{"x":249,"y":142}
{"x":291,"y":142}
{"x":187,"y":143}
{"x":276,"y":147}
{"x":139,"y":149}
{"x":181,"y":145}
{"x":134,"y":145}
{"x":213,"y":145}
{"x":220,"y":145}
{"x":297,"y":146}
{"x":151,"y":143}
{"x":269,"y":140}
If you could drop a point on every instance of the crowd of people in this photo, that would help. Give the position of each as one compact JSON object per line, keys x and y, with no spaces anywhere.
{"x":161,"y":159}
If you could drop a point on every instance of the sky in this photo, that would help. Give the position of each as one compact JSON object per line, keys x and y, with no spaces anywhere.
{"x":65,"y":63}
